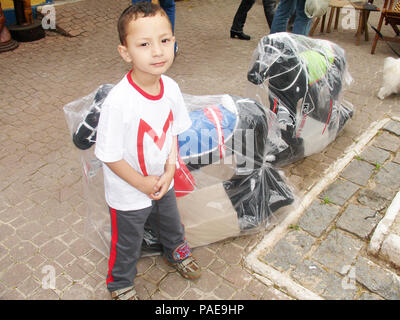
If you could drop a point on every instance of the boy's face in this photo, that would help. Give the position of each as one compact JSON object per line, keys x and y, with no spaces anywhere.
{"x":149,"y":45}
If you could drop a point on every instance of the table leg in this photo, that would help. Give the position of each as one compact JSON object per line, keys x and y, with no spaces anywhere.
{"x":323,"y":23}
{"x":328,"y":29}
{"x":366,"y":36}
{"x":359,"y":29}
{"x":337,"y":18}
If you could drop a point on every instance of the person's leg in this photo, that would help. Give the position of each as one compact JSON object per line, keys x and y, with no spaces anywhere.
{"x":127,"y":229}
{"x":282,"y":14}
{"x":269,"y":11}
{"x":165,"y":221}
{"x":302,"y":23}
{"x":169,"y":8}
{"x":240,"y":17}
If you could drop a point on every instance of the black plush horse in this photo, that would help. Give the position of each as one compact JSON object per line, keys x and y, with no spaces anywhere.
{"x":304,"y":79}
{"x":236,"y":128}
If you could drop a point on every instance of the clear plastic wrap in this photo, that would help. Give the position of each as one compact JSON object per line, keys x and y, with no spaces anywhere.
{"x":301,"y":80}
{"x":224,"y":182}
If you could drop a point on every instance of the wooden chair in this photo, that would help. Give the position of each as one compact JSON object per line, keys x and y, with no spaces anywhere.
{"x":390,"y":13}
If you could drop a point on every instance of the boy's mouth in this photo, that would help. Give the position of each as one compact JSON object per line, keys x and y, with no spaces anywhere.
{"x":158,"y":64}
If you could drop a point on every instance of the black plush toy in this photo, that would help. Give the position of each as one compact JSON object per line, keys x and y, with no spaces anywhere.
{"x":85,"y":135}
{"x":235,"y":127}
{"x":304,"y":79}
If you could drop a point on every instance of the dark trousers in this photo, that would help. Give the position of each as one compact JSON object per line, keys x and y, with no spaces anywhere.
{"x":241,"y":14}
{"x":127,"y":229}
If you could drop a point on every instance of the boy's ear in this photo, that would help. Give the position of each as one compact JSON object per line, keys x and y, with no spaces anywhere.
{"x":123,"y":51}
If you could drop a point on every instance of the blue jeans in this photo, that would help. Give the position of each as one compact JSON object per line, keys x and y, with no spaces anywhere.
{"x":285,"y":10}
{"x":169,"y":8}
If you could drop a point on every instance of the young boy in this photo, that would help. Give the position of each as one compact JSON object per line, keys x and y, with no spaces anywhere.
{"x":137,"y":140}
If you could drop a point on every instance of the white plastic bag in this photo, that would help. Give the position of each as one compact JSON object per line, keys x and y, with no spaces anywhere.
{"x":316,"y":8}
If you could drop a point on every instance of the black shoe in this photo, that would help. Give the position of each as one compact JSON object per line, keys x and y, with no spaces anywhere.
{"x":240,"y":35}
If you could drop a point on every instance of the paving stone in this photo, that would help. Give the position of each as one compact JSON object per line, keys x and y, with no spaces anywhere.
{"x":387,"y":141}
{"x":358,"y":172}
{"x":236,"y":276}
{"x":289,"y":250}
{"x":6,"y":231}
{"x":393,"y":127}
{"x":328,"y":285}
{"x":230,"y":253}
{"x":224,"y":292}
{"x":373,"y":199}
{"x":23,"y":251}
{"x":144,"y":288}
{"x":369,"y":296}
{"x":374,"y":155}
{"x":77,"y":292}
{"x":317,"y":218}
{"x":339,"y":192}
{"x":203,"y":256}
{"x":208,"y":282}
{"x":358,"y":220}
{"x":28,"y":286}
{"x":338,"y":251}
{"x":52,"y":249}
{"x":15,"y":275}
{"x":174,"y":285}
{"x":389,"y":175}
{"x":378,"y":280}
{"x":397,"y":158}
{"x":29,"y":230}
{"x":243,"y":295}
{"x":275,"y":294}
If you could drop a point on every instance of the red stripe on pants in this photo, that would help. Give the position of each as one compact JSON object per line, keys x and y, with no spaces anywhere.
{"x":114,"y":239}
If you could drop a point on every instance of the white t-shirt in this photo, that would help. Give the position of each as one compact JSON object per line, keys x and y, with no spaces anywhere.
{"x":138,"y":128}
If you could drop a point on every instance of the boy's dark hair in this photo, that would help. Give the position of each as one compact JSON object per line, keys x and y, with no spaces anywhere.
{"x":134,"y":11}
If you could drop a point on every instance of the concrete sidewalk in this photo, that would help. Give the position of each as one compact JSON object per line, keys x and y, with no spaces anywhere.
{"x":348,"y":252}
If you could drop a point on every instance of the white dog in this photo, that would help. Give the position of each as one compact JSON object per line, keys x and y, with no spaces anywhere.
{"x":391,"y":78}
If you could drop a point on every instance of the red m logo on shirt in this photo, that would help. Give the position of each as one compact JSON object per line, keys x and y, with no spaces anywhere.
{"x":144,"y":127}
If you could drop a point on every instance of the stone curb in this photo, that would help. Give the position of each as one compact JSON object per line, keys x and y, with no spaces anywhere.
{"x":383,"y":242}
{"x":284,"y":283}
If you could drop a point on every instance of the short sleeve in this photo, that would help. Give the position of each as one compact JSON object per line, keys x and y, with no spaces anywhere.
{"x":109,"y":139}
{"x":182,"y":120}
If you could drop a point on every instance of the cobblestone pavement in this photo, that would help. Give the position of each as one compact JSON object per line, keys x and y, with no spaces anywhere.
{"x":42,"y":210}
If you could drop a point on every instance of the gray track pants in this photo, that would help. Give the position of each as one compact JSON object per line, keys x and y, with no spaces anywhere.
{"x":127,"y":236}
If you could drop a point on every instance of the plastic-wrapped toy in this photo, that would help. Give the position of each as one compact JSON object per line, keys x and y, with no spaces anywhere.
{"x":301,"y":80}
{"x":224,"y":183}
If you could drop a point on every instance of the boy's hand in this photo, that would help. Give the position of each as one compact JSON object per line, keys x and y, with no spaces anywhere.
{"x":150,"y":185}
{"x":162,"y":185}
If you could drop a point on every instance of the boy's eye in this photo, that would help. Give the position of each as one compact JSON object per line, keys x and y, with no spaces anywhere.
{"x":165,"y":40}
{"x":144,"y":44}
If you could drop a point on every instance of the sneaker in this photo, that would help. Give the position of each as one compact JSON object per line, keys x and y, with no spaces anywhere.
{"x":128,"y":293}
{"x":188,"y":268}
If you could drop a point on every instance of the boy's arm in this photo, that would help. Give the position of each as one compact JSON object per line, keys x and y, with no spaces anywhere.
{"x":169,"y":172}
{"x":147,"y":185}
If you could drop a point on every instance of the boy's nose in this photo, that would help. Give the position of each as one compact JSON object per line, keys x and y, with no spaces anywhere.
{"x":156,"y":49}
